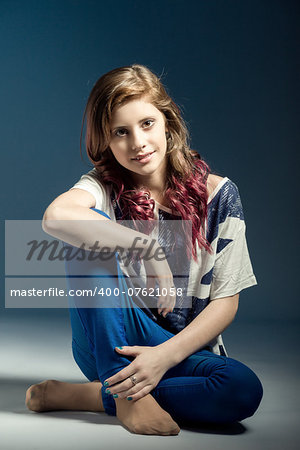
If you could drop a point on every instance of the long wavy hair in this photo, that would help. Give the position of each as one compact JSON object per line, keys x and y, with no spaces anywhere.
{"x":187,"y":172}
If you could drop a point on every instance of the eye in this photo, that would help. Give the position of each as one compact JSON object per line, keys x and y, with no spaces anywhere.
{"x":148,"y":123}
{"x":121,"y":132}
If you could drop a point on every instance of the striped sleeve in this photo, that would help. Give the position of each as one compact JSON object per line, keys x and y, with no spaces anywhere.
{"x":232,"y":270}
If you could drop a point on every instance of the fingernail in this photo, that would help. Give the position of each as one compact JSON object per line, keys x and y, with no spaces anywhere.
{"x":115,"y":396}
{"x":129,"y":398}
{"x":120,"y":348}
{"x":107,"y":391}
{"x":106,"y":383}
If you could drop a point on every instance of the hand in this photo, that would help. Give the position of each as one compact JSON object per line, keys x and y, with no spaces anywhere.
{"x":159,"y":269}
{"x":148,"y":367}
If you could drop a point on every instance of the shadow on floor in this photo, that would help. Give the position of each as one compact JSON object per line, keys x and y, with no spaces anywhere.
{"x":210,"y":428}
{"x":13,"y":400}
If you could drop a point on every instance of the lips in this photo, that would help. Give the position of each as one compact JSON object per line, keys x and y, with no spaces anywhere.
{"x":140,"y":157}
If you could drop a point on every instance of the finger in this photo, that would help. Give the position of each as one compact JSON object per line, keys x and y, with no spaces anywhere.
{"x":129,"y":350}
{"x":120,"y":376}
{"x":121,"y":389}
{"x":131,"y":391}
{"x":165,"y":311}
{"x":167,"y":302}
{"x":165,"y":308}
{"x":140,"y":394}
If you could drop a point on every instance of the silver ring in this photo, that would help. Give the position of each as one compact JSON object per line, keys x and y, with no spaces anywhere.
{"x":133,"y":380}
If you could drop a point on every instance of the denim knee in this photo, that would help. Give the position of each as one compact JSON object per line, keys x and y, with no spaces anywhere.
{"x":85,"y":361}
{"x":245,"y":391}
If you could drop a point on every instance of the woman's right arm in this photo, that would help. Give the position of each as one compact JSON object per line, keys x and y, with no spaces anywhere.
{"x":71,"y":205}
{"x":70,"y":219}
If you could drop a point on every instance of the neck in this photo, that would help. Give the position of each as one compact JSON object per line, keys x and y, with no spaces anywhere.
{"x":157,"y":190}
{"x":156,"y":183}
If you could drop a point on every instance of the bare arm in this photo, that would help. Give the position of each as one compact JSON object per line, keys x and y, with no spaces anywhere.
{"x":214,"y":319}
{"x":70,"y":219}
{"x":151,"y":363}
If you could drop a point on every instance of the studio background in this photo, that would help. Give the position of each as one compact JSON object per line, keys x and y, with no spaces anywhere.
{"x":231,"y":66}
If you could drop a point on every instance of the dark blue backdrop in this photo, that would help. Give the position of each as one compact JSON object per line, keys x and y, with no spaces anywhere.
{"x":231,"y":65}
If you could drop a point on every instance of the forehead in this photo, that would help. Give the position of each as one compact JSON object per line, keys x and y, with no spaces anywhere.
{"x":134,"y":110}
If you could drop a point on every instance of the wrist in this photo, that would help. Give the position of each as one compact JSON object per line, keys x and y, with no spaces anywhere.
{"x":153,"y":250}
{"x":168,"y":354}
{"x":147,"y":246}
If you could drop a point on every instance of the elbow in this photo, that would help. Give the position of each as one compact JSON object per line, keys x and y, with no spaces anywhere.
{"x":229,"y":307}
{"x":51,"y":219}
{"x":235,"y":305}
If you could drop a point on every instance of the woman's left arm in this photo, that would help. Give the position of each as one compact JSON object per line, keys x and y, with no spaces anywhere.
{"x":212,"y":321}
{"x":151,"y":363}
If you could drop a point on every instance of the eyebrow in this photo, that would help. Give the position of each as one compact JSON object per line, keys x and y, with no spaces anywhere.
{"x":125,"y":126}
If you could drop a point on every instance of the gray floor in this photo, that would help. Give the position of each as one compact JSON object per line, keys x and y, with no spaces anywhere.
{"x":34,"y":348}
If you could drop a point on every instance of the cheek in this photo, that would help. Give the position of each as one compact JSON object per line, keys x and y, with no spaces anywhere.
{"x":120,"y":158}
{"x":163,"y":140}
{"x":116,"y":151}
{"x":160,"y":137}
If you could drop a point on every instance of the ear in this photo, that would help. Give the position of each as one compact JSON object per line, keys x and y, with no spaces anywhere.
{"x":166,"y":124}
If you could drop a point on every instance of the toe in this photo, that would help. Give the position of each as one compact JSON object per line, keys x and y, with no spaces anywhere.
{"x":35,"y":397}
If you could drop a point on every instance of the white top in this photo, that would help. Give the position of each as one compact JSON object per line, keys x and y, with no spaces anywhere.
{"x":224,"y":273}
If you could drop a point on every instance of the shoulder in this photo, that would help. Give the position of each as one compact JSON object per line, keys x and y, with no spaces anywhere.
{"x":223,"y":185}
{"x":92,"y":175}
{"x":212,"y":183}
{"x":91,"y":178}
{"x":90,"y":182}
{"x":226,"y":199}
{"x":223,"y":193}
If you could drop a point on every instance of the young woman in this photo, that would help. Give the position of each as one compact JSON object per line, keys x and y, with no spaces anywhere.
{"x":154,"y":365}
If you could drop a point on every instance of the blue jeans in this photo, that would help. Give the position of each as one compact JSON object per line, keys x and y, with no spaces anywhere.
{"x":203,"y":388}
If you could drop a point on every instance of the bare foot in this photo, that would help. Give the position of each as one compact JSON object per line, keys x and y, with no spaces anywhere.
{"x":145,"y":416}
{"x":51,"y":395}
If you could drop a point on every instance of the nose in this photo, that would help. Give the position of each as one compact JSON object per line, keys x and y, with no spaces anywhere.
{"x":137,"y":140}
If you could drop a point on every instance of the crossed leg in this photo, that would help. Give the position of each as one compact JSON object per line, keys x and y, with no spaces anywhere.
{"x":144,"y":416}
